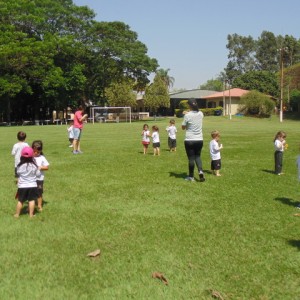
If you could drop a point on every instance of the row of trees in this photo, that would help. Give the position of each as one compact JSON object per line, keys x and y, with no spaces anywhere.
{"x":53,"y":54}
{"x":255,"y":65}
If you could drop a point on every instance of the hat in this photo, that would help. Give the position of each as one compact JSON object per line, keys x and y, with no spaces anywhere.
{"x":27,"y":152}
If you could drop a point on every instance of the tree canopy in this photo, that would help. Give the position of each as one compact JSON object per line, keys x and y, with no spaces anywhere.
{"x":54,"y":54}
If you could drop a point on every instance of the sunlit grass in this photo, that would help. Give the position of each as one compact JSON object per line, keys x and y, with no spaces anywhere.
{"x":235,"y":234}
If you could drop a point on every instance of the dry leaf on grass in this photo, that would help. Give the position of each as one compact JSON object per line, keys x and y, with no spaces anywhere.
{"x":217,"y":295}
{"x":297,"y":215}
{"x":94,"y":253}
{"x":161,"y":277}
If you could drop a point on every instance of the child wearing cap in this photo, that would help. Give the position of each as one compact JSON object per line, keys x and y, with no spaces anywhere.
{"x":27,"y":171}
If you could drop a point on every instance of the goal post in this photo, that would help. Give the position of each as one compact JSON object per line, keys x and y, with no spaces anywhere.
{"x":112,"y":114}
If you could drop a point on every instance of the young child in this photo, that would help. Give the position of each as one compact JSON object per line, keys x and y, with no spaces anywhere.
{"x":155,"y":140}
{"x":70,"y":133}
{"x":172,"y":130}
{"x":27,"y":171}
{"x":145,"y":137}
{"x":280,"y":145}
{"x":215,"y":154}
{"x":43,"y":165}
{"x":17,"y":148}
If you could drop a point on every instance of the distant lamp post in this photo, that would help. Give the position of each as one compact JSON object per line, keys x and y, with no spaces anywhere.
{"x":229,"y":87}
{"x":282,"y":51}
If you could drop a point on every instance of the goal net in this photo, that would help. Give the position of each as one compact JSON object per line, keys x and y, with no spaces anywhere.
{"x":110,"y":114}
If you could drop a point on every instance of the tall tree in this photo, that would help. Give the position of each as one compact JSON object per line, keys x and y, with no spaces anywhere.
{"x":156,"y":94}
{"x":212,"y":85}
{"x":267,"y":52}
{"x":166,"y":78}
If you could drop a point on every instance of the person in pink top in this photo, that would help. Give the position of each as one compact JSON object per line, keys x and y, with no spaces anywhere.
{"x":79,"y":118}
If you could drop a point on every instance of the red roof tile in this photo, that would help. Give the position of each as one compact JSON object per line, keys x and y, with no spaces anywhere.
{"x":236,"y":92}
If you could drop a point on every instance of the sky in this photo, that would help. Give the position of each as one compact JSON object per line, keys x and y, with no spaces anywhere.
{"x":189,"y":37}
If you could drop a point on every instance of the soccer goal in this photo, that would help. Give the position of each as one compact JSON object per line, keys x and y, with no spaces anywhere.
{"x":110,"y":114}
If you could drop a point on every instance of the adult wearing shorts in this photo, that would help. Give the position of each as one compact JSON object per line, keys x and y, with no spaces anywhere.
{"x":79,"y":118}
{"x":192,"y":124}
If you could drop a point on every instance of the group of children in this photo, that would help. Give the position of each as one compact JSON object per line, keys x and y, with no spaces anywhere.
{"x":30,"y":164}
{"x":214,"y":145}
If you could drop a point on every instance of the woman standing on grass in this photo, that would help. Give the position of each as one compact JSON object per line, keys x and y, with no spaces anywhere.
{"x":27,"y":171}
{"x":192,"y":123}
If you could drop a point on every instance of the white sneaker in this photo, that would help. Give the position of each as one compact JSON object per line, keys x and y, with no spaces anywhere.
{"x":189,"y":178}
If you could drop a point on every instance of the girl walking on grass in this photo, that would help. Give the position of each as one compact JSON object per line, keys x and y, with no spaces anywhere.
{"x":155,"y":140}
{"x":280,"y":145}
{"x":145,"y":137}
{"x":43,"y":165}
{"x":27,"y":171}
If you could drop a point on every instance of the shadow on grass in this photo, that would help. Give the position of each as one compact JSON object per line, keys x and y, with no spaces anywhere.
{"x":269,"y":171}
{"x":287,"y":201}
{"x":177,"y":175}
{"x":294,"y":243}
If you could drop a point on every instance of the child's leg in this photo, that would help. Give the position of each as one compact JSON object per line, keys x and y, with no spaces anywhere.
{"x":40,"y":203}
{"x":18,"y":210}
{"x":31,"y":208}
{"x":158,"y":151}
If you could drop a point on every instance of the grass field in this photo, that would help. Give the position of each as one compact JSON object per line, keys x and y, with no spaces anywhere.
{"x":235,"y":235}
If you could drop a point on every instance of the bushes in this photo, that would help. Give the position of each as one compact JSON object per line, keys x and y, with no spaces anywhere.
{"x":256,"y":104}
{"x":183,"y":107}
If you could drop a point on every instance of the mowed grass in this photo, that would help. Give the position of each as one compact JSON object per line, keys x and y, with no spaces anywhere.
{"x":236,"y":234}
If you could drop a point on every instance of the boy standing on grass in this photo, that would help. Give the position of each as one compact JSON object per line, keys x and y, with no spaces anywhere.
{"x":17,"y":148}
{"x":215,"y":154}
{"x":280,"y":145}
{"x":70,"y":133}
{"x":172,"y":130}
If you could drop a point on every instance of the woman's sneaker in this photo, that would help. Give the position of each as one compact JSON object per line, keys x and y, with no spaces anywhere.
{"x":189,"y":178}
{"x":201,"y":176}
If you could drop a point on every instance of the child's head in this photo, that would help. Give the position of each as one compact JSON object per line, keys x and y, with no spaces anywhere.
{"x":172,"y":122}
{"x":37,"y":147}
{"x":280,"y":135}
{"x":71,"y":122}
{"x":21,"y":136}
{"x":145,"y":127}
{"x":155,"y":128}
{"x":215,"y":134}
{"x":26,"y":155}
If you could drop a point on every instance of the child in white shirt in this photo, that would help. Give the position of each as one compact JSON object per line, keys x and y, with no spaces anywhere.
{"x":155,"y":140}
{"x":215,"y":154}
{"x":172,"y":130}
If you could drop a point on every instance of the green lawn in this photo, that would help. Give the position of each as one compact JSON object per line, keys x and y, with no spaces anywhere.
{"x":235,"y":234}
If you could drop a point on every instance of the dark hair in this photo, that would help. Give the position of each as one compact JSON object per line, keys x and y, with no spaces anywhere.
{"x":38,"y":145}
{"x":154,"y":127}
{"x":26,"y":160}
{"x":21,"y":136}
{"x":193,"y":104}
{"x":145,"y":125}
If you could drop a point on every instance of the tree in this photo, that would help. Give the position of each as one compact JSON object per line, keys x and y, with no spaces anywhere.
{"x":212,"y":85}
{"x":267,"y":52}
{"x":262,"y":81}
{"x":166,"y":78}
{"x":241,"y":54}
{"x":121,"y":94}
{"x":156,"y":94}
{"x":256,"y":103}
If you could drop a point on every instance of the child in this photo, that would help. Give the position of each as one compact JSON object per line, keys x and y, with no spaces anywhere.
{"x":215,"y":148}
{"x":280,"y":145}
{"x":27,"y":171}
{"x":70,"y":133}
{"x":145,"y":138}
{"x":17,"y":148}
{"x":155,"y":140}
{"x":43,"y":165}
{"x":171,"y":129}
